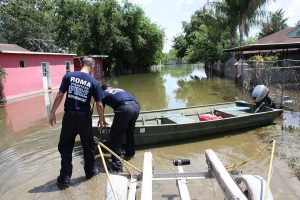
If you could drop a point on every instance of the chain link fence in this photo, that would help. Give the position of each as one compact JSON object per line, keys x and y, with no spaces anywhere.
{"x":282,"y":77}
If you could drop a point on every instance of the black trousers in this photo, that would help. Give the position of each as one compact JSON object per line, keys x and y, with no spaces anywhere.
{"x":123,"y":125}
{"x":72,"y":125}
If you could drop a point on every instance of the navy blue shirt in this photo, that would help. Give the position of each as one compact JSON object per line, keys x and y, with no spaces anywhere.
{"x":115,"y":96}
{"x":80,"y":87}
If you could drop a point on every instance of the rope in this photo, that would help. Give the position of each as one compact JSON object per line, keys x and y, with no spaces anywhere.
{"x":270,"y":171}
{"x":240,"y":164}
{"x":119,"y":158}
{"x":107,"y":174}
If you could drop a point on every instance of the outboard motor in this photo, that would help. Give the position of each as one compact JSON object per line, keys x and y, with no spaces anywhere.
{"x":259,"y":93}
{"x":261,"y":98}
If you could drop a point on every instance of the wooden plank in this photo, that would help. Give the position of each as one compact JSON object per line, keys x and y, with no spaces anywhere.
{"x":132,"y":189}
{"x":225,"y":181}
{"x":182,"y":187}
{"x":147,"y":177}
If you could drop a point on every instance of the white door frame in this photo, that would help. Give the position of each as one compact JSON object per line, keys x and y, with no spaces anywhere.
{"x":46,"y":75}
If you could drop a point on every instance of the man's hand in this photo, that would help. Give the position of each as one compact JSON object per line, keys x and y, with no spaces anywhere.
{"x":100,"y":123}
{"x":57,"y":100}
{"x":52,"y":119}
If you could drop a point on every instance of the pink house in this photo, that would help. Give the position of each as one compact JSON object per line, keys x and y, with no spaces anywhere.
{"x":32,"y":72}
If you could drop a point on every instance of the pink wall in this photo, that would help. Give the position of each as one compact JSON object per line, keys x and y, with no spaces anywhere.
{"x":23,"y":81}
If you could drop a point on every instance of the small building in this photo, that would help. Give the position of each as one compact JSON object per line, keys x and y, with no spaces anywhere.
{"x":99,"y":61}
{"x":30,"y":72}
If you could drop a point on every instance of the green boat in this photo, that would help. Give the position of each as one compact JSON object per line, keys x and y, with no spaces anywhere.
{"x":167,"y":125}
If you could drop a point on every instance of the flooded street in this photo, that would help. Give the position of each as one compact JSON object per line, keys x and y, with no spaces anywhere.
{"x":30,"y":162}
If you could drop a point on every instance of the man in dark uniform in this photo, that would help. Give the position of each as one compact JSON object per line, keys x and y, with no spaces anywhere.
{"x":126,"y":110}
{"x":80,"y":87}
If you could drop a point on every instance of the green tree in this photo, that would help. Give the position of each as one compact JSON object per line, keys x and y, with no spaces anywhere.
{"x":150,"y":44}
{"x":203,"y":39}
{"x":170,"y":56}
{"x":180,"y":44}
{"x":28,"y":23}
{"x":73,"y":26}
{"x":273,"y":23}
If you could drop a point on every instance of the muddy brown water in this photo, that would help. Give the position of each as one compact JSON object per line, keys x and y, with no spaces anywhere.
{"x":30,"y":162}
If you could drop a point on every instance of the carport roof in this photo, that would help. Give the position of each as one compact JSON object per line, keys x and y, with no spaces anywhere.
{"x":288,"y":38}
{"x":268,"y":46}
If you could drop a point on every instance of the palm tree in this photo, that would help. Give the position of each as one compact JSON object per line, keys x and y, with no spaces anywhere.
{"x":248,"y":11}
{"x":227,"y":10}
{"x":241,"y":14}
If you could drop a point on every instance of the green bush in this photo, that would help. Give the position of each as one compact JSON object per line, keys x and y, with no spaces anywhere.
{"x":261,"y":58}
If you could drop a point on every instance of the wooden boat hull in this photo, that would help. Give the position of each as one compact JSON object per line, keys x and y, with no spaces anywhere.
{"x":159,"y":126}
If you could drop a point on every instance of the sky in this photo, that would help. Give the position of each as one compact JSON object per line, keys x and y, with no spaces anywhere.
{"x":169,"y":14}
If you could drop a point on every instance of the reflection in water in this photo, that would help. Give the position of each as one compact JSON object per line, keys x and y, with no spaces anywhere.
{"x":171,"y":86}
{"x":25,"y":112}
{"x":30,"y":162}
{"x":175,"y":79}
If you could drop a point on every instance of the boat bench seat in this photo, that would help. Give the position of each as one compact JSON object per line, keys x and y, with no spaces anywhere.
{"x":176,"y":119}
{"x":232,"y":112}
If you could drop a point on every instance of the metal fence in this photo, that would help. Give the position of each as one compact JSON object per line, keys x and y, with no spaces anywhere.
{"x":282,"y":77}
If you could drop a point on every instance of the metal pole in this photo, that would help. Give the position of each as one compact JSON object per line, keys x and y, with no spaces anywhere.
{"x":282,"y":83}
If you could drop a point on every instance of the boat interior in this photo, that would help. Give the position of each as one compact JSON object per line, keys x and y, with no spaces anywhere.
{"x":193,"y":115}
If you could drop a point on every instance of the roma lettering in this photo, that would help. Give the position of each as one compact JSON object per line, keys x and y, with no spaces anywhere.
{"x":80,"y":81}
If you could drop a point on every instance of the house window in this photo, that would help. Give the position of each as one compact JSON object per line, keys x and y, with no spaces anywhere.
{"x":98,"y":69}
{"x":68,"y":66}
{"x":22,"y":63}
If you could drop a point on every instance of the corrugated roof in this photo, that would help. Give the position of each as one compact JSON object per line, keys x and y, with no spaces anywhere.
{"x":279,"y":37}
{"x":15,"y":49}
{"x":12,"y":47}
{"x":38,"y":53}
{"x":269,"y":46}
{"x":275,"y":41}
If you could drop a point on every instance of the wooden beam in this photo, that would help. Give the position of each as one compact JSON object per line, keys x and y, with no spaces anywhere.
{"x":132,"y":189}
{"x":224,"y":179}
{"x":147,"y":177}
{"x":182,"y":187}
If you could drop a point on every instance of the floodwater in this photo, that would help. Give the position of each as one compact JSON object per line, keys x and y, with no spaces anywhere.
{"x":30,"y":162}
